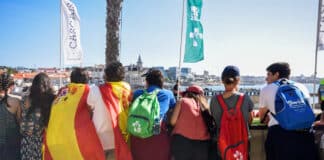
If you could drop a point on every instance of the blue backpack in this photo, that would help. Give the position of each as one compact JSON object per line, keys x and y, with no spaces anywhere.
{"x":292,"y":109}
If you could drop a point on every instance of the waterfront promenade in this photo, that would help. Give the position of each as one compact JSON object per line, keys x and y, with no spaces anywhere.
{"x":258,"y":131}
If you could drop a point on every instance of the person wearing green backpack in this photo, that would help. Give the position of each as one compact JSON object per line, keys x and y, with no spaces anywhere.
{"x":155,"y":144}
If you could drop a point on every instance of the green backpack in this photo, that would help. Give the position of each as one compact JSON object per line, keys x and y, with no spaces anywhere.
{"x":144,"y":115}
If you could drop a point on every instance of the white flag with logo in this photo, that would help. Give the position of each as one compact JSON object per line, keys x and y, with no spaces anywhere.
{"x":71,"y":44}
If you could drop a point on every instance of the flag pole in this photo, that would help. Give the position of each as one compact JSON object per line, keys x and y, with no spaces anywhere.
{"x":120,"y":30}
{"x":180,"y":55}
{"x":60,"y":85}
{"x":316,"y":48}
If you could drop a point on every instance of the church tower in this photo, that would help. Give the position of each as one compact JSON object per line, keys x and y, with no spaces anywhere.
{"x":139,"y":63}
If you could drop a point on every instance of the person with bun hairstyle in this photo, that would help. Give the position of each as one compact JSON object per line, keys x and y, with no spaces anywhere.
{"x":9,"y":120}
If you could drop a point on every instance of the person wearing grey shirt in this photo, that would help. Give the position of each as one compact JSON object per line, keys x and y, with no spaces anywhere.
{"x":217,"y":111}
{"x":231,"y":78}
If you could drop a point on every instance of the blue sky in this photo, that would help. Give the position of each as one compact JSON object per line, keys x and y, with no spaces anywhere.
{"x":250,"y":34}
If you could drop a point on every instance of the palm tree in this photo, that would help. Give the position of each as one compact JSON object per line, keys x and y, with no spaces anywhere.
{"x":113,"y":10}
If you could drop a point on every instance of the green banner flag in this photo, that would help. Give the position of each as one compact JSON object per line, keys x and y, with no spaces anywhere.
{"x":194,"y":50}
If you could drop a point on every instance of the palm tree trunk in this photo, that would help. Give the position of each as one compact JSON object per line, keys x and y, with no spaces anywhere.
{"x":113,"y":10}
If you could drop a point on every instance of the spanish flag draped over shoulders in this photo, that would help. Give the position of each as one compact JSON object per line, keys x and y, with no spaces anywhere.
{"x":70,"y":133}
{"x":117,"y":97}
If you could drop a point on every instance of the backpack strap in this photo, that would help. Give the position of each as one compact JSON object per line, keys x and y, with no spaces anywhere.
{"x":239,"y":101}
{"x":155,"y":91}
{"x":283,"y":81}
{"x":224,"y":106}
{"x":222,"y":102}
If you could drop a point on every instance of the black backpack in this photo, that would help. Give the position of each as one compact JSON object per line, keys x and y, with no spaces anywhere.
{"x":211,"y":124}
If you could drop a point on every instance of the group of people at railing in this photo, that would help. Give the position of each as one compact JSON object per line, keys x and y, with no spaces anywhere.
{"x":92,"y":122}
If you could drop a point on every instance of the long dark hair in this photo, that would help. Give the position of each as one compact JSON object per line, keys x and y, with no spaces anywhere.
{"x":5,"y":82}
{"x":192,"y":95}
{"x":41,"y":96}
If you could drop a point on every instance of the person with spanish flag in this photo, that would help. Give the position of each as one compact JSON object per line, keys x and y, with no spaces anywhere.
{"x":70,"y":133}
{"x":110,"y":102}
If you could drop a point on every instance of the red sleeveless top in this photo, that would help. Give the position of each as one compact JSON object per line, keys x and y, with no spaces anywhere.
{"x":190,"y":123}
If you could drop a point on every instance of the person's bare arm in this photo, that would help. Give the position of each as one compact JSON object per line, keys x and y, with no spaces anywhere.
{"x":18,"y":115}
{"x":176,"y":113}
{"x":15,"y":106}
{"x":263,"y":114}
{"x":250,"y":118}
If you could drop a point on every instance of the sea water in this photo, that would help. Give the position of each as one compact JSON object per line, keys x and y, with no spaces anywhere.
{"x":309,"y":86}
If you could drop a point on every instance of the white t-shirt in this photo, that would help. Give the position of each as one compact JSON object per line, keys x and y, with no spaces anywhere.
{"x":267,"y":98}
{"x":101,"y":118}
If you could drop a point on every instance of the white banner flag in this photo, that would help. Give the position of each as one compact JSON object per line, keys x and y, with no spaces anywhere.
{"x":321,"y":28}
{"x":71,"y":44}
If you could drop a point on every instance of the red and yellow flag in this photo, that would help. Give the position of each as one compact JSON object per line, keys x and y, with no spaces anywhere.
{"x":117,"y":96}
{"x":70,"y":133}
